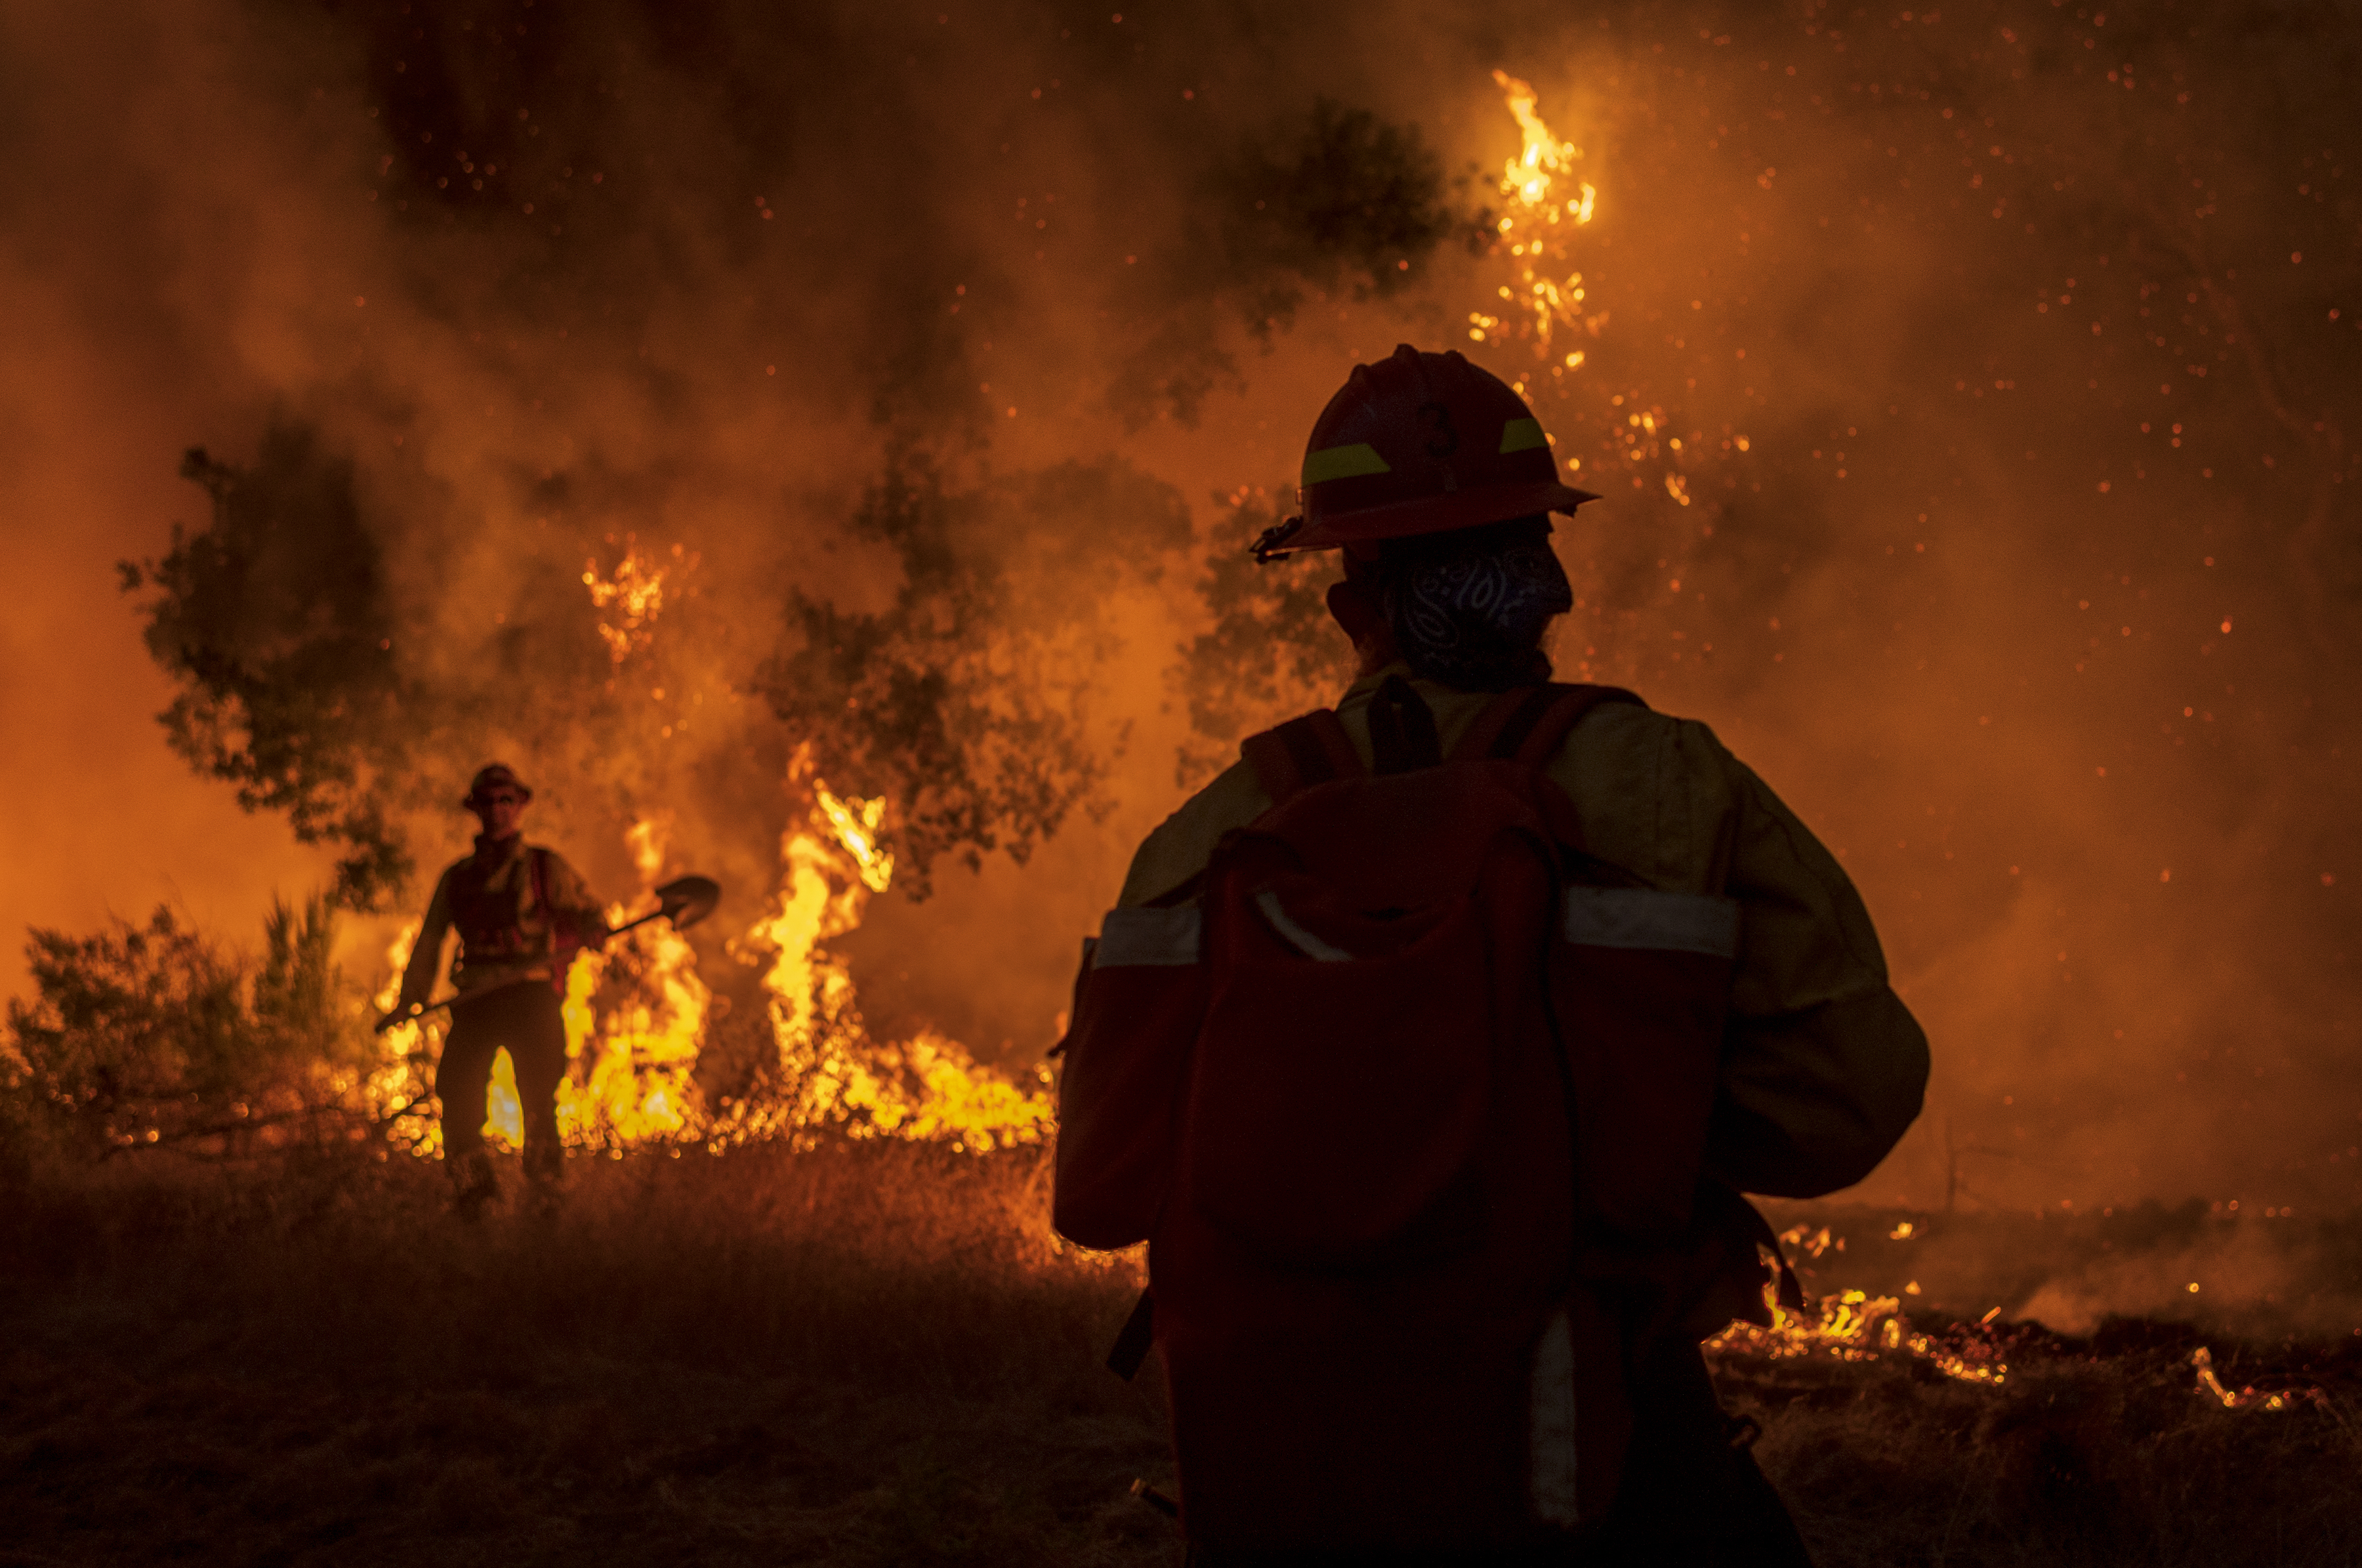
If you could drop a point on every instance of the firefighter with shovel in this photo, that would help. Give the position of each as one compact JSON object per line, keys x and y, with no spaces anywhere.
{"x":521,"y":912}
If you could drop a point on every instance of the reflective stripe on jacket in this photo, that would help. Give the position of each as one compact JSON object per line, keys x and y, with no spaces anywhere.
{"x":1823,"y":1067}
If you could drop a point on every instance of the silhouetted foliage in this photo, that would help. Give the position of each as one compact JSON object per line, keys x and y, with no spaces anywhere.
{"x":1330,"y":199}
{"x":1272,"y":651}
{"x":1337,"y":199}
{"x":966,"y":702}
{"x":274,"y":621}
{"x":153,"y":1035}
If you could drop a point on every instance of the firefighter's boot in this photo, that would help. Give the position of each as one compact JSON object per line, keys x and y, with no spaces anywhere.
{"x":473,"y":1184}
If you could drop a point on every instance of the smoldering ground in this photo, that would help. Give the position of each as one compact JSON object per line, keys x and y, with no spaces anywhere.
{"x":960,"y":338}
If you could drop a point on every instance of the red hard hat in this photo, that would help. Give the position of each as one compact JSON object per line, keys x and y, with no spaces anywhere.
{"x":1420,"y":444}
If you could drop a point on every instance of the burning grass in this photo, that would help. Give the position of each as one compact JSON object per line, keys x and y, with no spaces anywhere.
{"x":872,"y":1351}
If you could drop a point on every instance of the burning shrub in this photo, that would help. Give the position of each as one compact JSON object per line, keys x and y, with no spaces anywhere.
{"x":154,"y":1035}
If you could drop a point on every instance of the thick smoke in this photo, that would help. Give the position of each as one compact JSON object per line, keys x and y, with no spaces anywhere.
{"x":697,"y":280}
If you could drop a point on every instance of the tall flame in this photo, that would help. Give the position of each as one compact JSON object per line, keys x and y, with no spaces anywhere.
{"x":1544,"y":303}
{"x":636,"y":1010}
{"x":628,"y":1073}
{"x":1545,"y":203}
{"x":927,"y":1088}
{"x":636,"y":1018}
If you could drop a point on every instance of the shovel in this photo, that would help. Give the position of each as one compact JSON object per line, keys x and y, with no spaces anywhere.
{"x":684,"y":900}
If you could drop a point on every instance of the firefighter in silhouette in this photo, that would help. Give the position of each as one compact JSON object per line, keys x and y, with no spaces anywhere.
{"x":521,"y":912}
{"x":1432,"y":1047}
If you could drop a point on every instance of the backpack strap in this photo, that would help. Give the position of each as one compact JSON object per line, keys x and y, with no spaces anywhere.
{"x":1132,"y":1342}
{"x":1402,"y":729}
{"x":1301,"y":753}
{"x":564,"y":940}
{"x":1530,"y":723}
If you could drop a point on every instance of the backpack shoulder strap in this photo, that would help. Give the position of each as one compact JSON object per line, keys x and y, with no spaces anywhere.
{"x":1530,"y":723}
{"x":1301,"y":753}
{"x":563,"y":929}
{"x":1402,"y":729}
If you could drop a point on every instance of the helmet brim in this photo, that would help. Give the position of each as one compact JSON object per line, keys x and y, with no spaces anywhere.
{"x":1434,"y":514}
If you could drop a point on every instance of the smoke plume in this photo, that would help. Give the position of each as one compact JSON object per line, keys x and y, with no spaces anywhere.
{"x":714,"y":391}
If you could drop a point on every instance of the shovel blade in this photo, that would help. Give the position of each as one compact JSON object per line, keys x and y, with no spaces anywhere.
{"x":687,"y":899}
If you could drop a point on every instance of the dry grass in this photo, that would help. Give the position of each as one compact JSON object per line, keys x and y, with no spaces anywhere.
{"x":2090,"y":1453}
{"x":861,"y":1355}
{"x":2099,"y":1447}
{"x":872,"y":1354}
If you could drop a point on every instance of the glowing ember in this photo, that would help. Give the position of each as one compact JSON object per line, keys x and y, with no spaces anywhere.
{"x":1855,"y":1326}
{"x":396,"y":1091}
{"x":1544,"y":205}
{"x":2250,"y":1396}
{"x":1543,"y":304}
{"x":629,"y":601}
{"x":855,"y":824}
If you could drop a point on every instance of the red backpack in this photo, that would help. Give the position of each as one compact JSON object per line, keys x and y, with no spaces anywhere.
{"x":1410,"y":1107}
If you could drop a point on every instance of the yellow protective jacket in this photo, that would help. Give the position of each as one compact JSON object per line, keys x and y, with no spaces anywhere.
{"x":1823,"y":1067}
{"x":515,"y":918}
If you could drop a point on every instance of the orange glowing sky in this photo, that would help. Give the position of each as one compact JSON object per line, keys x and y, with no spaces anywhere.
{"x":2069,"y":698}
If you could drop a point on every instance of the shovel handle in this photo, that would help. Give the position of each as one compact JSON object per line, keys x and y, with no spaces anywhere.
{"x":411,"y":1014}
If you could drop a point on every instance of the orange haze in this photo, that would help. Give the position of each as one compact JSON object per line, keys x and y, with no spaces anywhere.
{"x":2069,"y":699}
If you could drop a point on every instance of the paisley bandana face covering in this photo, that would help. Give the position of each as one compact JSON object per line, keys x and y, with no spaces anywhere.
{"x":1468,"y":608}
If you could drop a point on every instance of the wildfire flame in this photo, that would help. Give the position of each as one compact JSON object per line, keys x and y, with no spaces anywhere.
{"x":1543,"y":304}
{"x":395,"y":1090}
{"x":855,"y":824}
{"x":1856,"y":1326}
{"x":1535,"y":227}
{"x":2261,"y":1398}
{"x":637,"y":1014}
{"x":634,"y":594}
{"x":927,"y":1088}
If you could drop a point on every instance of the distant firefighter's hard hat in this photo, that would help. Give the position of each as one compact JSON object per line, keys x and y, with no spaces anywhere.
{"x":1420,"y":444}
{"x":495,"y":775}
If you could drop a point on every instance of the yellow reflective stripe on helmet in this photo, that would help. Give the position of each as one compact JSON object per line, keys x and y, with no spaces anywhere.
{"x":1344,"y":462}
{"x":1522,"y":436}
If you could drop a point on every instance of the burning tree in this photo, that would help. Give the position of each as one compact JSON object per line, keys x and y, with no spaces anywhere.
{"x":967,"y":702}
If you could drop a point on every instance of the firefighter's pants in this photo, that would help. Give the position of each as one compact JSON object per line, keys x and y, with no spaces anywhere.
{"x":527,"y":1021}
